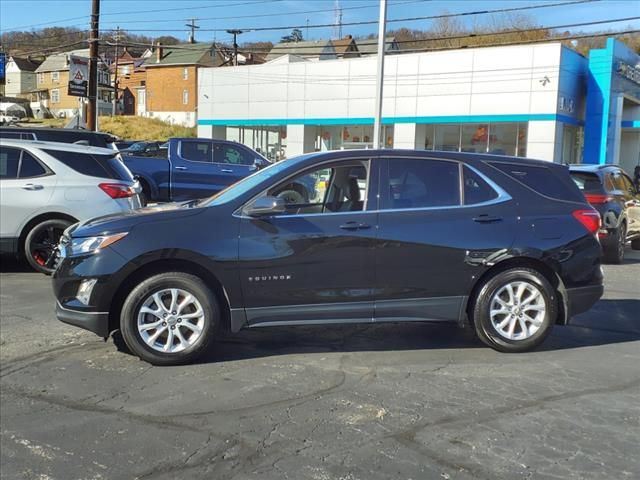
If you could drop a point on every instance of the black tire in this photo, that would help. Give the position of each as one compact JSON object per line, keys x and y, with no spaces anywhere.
{"x":635,"y":244}
{"x":145,"y":194}
{"x":613,"y":252}
{"x":40,"y":242}
{"x":481,"y":306}
{"x":157,"y":283}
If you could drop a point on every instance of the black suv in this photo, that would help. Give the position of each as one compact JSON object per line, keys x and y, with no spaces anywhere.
{"x":508,"y":245}
{"x":610,"y":190}
{"x":61,"y":135}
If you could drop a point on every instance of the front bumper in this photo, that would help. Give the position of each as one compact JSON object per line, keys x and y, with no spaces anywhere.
{"x":581,"y":299}
{"x":96,"y":322}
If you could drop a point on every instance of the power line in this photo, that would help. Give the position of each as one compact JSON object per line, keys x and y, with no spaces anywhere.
{"x":135,"y":12}
{"x":406,"y":19}
{"x":262,"y":15}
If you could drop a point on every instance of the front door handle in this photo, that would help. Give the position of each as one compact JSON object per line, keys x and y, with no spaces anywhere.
{"x":226,"y":170}
{"x":354,"y":226}
{"x":181,"y":168}
{"x":32,"y":186}
{"x":486,"y":219}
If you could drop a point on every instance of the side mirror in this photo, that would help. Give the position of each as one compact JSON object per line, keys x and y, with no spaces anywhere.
{"x":266,"y":206}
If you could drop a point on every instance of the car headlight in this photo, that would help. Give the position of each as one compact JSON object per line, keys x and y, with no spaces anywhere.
{"x":79,"y":246}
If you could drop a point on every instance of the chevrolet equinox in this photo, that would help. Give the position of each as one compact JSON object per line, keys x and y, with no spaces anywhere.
{"x":506,"y":245}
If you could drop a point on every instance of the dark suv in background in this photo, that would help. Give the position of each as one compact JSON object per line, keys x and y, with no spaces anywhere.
{"x":611,"y":191}
{"x":507,"y":245}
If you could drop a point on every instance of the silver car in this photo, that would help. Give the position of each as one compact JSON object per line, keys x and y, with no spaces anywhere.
{"x":45,"y":187}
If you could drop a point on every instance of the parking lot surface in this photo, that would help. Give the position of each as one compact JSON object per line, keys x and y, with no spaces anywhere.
{"x":412,"y":401}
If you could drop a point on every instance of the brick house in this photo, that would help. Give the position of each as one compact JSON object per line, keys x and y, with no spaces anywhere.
{"x":171,"y":88}
{"x":131,"y":78}
{"x":52,"y":78}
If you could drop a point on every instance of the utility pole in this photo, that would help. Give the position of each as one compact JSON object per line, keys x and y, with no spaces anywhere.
{"x":115,"y":76}
{"x":192,"y":25}
{"x":92,"y":105}
{"x":382,"y":23}
{"x":235,"y":33}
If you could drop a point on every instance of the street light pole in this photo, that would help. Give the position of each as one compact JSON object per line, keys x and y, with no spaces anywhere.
{"x":235,"y":33}
{"x":380,"y":75}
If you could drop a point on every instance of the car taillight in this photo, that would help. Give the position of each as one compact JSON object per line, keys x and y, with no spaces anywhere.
{"x":597,"y":198}
{"x":117,"y":190}
{"x":589,"y":218}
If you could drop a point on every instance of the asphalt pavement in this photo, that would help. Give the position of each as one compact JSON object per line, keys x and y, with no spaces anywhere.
{"x":362,"y":402}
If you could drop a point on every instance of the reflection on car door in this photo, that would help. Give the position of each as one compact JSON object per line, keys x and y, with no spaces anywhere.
{"x":429,"y":240}
{"x":317,"y":259}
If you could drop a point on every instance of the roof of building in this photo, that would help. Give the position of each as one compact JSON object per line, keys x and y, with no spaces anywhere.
{"x":342,"y":45}
{"x":205,"y":54}
{"x":369,"y":46}
{"x":312,"y":48}
{"x":26,"y":64}
{"x":59,"y":62}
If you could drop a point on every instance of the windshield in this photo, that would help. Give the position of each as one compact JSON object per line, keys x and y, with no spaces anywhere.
{"x":244,"y":185}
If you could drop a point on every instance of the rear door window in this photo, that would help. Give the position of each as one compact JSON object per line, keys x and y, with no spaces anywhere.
{"x":9,"y":160}
{"x":195,"y":151}
{"x":30,"y":167}
{"x":476,"y":190}
{"x":231,"y":154}
{"x":420,"y":183}
{"x":93,"y":165}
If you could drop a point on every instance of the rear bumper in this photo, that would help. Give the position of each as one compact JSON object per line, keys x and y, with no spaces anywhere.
{"x":581,"y":299}
{"x":96,"y":322}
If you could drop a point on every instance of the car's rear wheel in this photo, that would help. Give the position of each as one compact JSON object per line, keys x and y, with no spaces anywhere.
{"x":515,"y":310}
{"x":170,"y":319}
{"x":614,"y":250}
{"x":40,"y":243}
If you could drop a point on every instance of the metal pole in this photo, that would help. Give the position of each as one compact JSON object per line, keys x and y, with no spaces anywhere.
{"x":92,"y":113}
{"x":235,"y":33}
{"x":380,"y":74}
{"x":115,"y":77}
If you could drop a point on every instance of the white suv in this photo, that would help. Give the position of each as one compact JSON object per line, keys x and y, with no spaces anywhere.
{"x":47,"y":186}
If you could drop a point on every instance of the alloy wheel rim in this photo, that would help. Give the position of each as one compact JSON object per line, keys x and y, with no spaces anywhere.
{"x":44,"y":244}
{"x":517,"y":310}
{"x":171,"y":320}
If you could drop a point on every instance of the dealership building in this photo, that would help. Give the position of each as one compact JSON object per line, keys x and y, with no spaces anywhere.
{"x":542,"y":101}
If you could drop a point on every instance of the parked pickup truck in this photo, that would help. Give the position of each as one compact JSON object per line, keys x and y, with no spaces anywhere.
{"x":191,"y":168}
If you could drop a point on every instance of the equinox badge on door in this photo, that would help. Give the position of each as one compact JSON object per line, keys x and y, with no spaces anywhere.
{"x":267,"y":278}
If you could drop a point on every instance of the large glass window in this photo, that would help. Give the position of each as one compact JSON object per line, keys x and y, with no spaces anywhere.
{"x":496,"y":138}
{"x":446,"y":137}
{"x":475,"y":138}
{"x":418,"y":183}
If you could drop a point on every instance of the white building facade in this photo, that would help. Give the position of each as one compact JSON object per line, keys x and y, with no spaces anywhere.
{"x":523,"y":100}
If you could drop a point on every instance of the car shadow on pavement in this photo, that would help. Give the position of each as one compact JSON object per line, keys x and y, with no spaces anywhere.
{"x":608,"y":322}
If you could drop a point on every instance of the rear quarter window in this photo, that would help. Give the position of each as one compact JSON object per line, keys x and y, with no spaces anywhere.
{"x":102,"y":166}
{"x":587,"y":182}
{"x":544,"y":180}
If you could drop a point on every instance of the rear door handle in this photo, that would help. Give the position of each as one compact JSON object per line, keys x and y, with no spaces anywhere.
{"x":31,"y":186}
{"x":181,"y":168}
{"x":486,"y":219}
{"x":354,"y":226}
{"x":226,"y":170}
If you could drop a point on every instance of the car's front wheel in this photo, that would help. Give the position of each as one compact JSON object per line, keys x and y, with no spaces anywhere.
{"x":515,"y":310}
{"x":170,"y":319}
